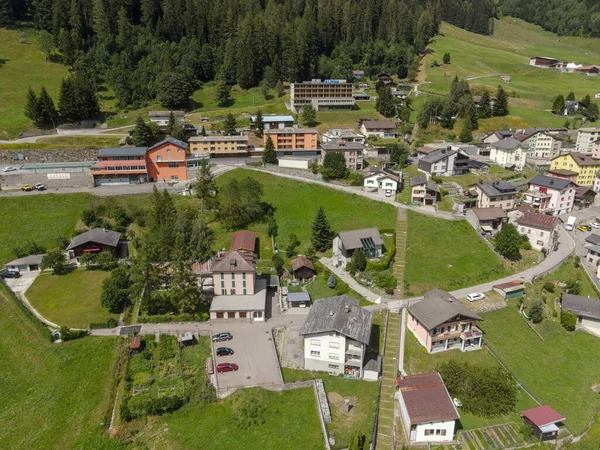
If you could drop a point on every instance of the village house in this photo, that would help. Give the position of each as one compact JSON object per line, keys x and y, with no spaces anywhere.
{"x":336,"y":334}
{"x":539,"y":228}
{"x":544,"y":422}
{"x":487,"y":221}
{"x":352,"y":151}
{"x":298,"y":300}
{"x":357,"y":74}
{"x":322,"y":95}
{"x":428,"y":413}
{"x":586,"y":137}
{"x":550,"y":195}
{"x":383,"y":129}
{"x":590,"y":71}
{"x":509,"y":153}
{"x":596,"y":149}
{"x":95,"y":241}
{"x":303,"y":268}
{"x":219,"y":146}
{"x":243,"y":241}
{"x":344,"y":134}
{"x":445,"y":162}
{"x":584,"y":165}
{"x":273,"y":122}
{"x":587,"y":311}
{"x":346,"y":242}
{"x":495,"y":136}
{"x":440,"y":322}
{"x":293,"y":141}
{"x":161,"y":118}
{"x":424,"y":192}
{"x":384,"y":182}
{"x":563,"y":174}
{"x":541,"y":144}
{"x":584,"y":197}
{"x":544,"y":62}
{"x":499,"y":194}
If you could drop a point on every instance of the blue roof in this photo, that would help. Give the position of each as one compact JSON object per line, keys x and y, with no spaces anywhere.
{"x":171,"y":140}
{"x":274,"y":118}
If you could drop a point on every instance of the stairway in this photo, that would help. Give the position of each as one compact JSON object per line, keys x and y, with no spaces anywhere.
{"x":400,"y":258}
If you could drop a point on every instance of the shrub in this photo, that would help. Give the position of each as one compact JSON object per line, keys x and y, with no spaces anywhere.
{"x":536,"y":313}
{"x":577,"y":261}
{"x":549,"y":286}
{"x":568,"y":320}
{"x":66,"y":334}
{"x":572,"y":287}
{"x":111,"y":322}
{"x":331,"y":281}
{"x":386,"y":281}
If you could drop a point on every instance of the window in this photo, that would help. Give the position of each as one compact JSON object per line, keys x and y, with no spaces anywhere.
{"x":222,"y":284}
{"x":452,"y":328}
{"x":243,"y":275}
{"x":244,"y":291}
{"x":315,"y":342}
{"x":443,"y":432}
{"x":174,"y":177}
{"x":173,"y":165}
{"x":233,"y":283}
{"x":415,"y":321}
{"x":334,"y":345}
{"x":223,"y":292}
{"x":437,"y":330}
{"x":158,"y":158}
{"x":334,"y":366}
{"x":222,"y":276}
{"x":233,"y":292}
{"x":243,"y":284}
{"x":334,"y":356}
{"x":315,"y":353}
{"x":429,"y":432}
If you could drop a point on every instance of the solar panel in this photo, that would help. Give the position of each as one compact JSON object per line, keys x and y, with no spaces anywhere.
{"x":368,"y":247}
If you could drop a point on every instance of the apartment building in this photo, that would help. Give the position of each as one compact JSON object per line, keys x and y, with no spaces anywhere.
{"x":345,"y":134}
{"x":542,"y":145}
{"x":498,"y":194}
{"x":322,"y":95}
{"x":586,"y":138}
{"x":584,"y":165}
{"x":352,"y":151}
{"x":273,"y":122}
{"x":291,"y":141}
{"x":508,"y":152}
{"x":549,"y":195}
{"x":218,"y":146}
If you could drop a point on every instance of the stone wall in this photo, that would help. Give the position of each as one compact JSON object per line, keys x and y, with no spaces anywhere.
{"x":11,"y":181}
{"x":46,"y":156}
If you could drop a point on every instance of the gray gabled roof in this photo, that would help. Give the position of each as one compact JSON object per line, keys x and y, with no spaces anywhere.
{"x":582,"y":306}
{"x":122,"y":151}
{"x":550,"y":182}
{"x":438,"y":307}
{"x":508,"y":143}
{"x":418,"y":180}
{"x":329,"y":314}
{"x":29,"y":260}
{"x":298,"y":297}
{"x":352,"y":239}
{"x":170,"y":140}
{"x":593,"y":239}
{"x":496,"y":188}
{"x":98,"y":235}
{"x":438,"y":155}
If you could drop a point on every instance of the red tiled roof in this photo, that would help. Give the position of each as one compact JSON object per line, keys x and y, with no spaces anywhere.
{"x":537,"y":220}
{"x":243,"y":240}
{"x":234,"y":261}
{"x":542,"y":415}
{"x":302,"y":261}
{"x":136,"y":343}
{"x":509,"y":284}
{"x":426,"y":398}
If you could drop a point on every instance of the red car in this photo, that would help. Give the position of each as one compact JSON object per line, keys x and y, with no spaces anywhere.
{"x":227,"y":367}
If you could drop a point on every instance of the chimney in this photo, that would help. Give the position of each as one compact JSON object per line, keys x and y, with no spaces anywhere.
{"x":347,"y":309}
{"x":104,"y":229}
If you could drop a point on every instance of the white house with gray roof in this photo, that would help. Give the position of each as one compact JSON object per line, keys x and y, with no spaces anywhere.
{"x":346,"y":242}
{"x":499,"y":194}
{"x":336,"y":334}
{"x":509,"y":152}
{"x":445,"y":162}
{"x":25,"y":264}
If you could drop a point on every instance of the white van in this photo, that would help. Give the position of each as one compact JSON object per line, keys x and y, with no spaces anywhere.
{"x":570,"y":223}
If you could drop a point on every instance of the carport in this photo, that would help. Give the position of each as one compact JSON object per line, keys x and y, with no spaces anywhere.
{"x":26,"y":264}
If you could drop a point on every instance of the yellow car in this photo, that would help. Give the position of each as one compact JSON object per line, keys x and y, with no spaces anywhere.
{"x":26,"y":188}
{"x":583,"y":228}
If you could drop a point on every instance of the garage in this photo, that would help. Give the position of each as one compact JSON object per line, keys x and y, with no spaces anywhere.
{"x":28,"y":263}
{"x":592,"y":325}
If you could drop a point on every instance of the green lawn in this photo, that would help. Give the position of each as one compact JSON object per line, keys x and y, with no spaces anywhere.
{"x":345,"y":118}
{"x":508,"y":51}
{"x":560,"y":369}
{"x":40,"y":218}
{"x":55,"y":396}
{"x":296,"y":205}
{"x":72,"y":299}
{"x":21,"y":66}
{"x":447,"y":255}
{"x":66,"y":142}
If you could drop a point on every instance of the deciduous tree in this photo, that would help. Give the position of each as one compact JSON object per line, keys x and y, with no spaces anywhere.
{"x":334,"y":166}
{"x":55,"y":260}
{"x":508,"y":242}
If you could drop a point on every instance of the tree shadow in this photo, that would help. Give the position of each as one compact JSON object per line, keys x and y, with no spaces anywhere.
{"x":226,"y":104}
{"x":3,"y":61}
{"x":55,"y":58}
{"x":374,"y":339}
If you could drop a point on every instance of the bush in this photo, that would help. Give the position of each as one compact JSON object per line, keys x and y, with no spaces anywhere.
{"x":568,"y":320}
{"x":386,"y":281}
{"x":572,"y":287}
{"x":436,"y":179}
{"x":66,"y":334}
{"x":136,"y":407}
{"x":111,"y":322}
{"x":577,"y":261}
{"x":549,"y":286}
{"x":536,"y":313}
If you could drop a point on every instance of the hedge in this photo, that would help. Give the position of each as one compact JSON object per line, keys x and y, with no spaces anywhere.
{"x":391,"y":252}
{"x":136,"y":407}
{"x":159,"y":318}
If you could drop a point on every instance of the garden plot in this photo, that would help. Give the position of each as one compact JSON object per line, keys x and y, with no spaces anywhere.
{"x":496,"y":437}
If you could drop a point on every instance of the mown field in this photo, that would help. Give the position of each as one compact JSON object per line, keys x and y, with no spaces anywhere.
{"x":483,"y":58}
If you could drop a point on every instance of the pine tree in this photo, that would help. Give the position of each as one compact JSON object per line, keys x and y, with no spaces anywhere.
{"x":447,"y":58}
{"x":229,"y":126}
{"x":322,"y":235}
{"x":142,"y":135}
{"x":501,"y":104}
{"x":259,"y":124}
{"x":206,"y":188}
{"x":385,"y":103}
{"x":273,"y":228}
{"x":66,"y":98}
{"x":466,"y":134}
{"x":31,"y":106}
{"x":558,"y":107}
{"x":203,"y":131}
{"x":279,"y":89}
{"x":203,"y":238}
{"x":171,"y":123}
{"x":586,"y":101}
{"x":223,"y":92}
{"x":570,"y":97}
{"x":269,"y":155}
{"x":47,"y":111}
{"x":184,"y":287}
{"x":485,"y":107}
{"x":309,"y":116}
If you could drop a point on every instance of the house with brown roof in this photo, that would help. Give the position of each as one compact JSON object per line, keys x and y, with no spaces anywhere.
{"x":426,"y":409}
{"x":487,"y":221}
{"x":303,"y":268}
{"x":583,"y":164}
{"x":384,"y":129}
{"x":539,"y":228}
{"x":544,"y":421}
{"x":563,"y":174}
{"x":440,"y":322}
{"x":510,"y":289}
{"x":243,"y":241}
{"x":584,"y":197}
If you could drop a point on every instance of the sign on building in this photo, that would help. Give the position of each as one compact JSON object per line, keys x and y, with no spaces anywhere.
{"x":59,"y":176}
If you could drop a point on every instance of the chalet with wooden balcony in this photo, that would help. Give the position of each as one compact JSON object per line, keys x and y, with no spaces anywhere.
{"x":440,"y":322}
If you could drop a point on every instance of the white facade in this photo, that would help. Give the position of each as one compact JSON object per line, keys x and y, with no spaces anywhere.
{"x":538,"y":238}
{"x":332,"y":352}
{"x":381,"y":183}
{"x":586,"y":138}
{"x":442,"y":431}
{"x":542,"y":145}
{"x":299,"y":162}
{"x":508,"y":157}
{"x":378,"y":132}
{"x":551,"y":200}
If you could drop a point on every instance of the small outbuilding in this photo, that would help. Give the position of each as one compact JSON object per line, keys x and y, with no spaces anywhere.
{"x":243,"y":241}
{"x":186,"y":338}
{"x":511,"y":289}
{"x":136,"y":344}
{"x":25,"y":264}
{"x":299,"y":300}
{"x":303,"y":268}
{"x":544,"y":421}
{"x":586,"y":309}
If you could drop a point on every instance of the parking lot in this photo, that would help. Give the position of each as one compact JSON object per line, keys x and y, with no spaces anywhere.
{"x":254,"y":353}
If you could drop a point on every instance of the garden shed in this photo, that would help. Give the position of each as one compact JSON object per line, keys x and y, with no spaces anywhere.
{"x":512,"y":289}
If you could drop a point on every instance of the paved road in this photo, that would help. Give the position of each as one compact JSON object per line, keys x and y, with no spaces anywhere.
{"x":118,"y":131}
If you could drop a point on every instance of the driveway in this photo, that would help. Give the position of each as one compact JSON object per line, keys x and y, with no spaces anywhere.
{"x":21,"y":284}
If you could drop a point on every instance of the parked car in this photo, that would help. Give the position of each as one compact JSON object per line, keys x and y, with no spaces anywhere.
{"x":476,"y":296}
{"x":388,"y":193}
{"x":26,"y":188}
{"x":224,"y":351}
{"x":219,"y":337}
{"x":227,"y":367}
{"x":584,"y":228}
{"x":595,"y":225}
{"x":11,"y":274}
{"x":9,"y":169}
{"x":40,"y":187}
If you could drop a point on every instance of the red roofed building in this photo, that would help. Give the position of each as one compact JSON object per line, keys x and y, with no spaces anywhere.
{"x":427,"y":411}
{"x":511,"y":289}
{"x":303,"y":268}
{"x":243,"y":241}
{"x":539,"y":228}
{"x":543,"y":420}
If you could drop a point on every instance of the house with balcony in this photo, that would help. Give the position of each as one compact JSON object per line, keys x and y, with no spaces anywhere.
{"x":344,"y":134}
{"x":584,"y":165}
{"x":293,"y":141}
{"x":424,"y":192}
{"x":509,"y":153}
{"x":382,"y":181}
{"x":336,"y":334}
{"x":440,"y":323}
{"x":496,"y":194}
{"x":166,"y":160}
{"x":219,"y":146}
{"x":541,"y":144}
{"x":383,"y":129}
{"x":345,"y":243}
{"x":445,"y":162}
{"x":549,"y":195}
{"x":323,"y":95}
{"x":273,"y":122}
{"x":352,"y":151}
{"x":427,"y":412}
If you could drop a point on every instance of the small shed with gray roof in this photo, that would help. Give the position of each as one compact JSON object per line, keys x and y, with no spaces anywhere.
{"x":298,"y":300}
{"x":94,"y":241}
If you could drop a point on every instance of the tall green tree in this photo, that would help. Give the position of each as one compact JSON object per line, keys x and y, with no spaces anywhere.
{"x":558,"y":107}
{"x":269,"y":155}
{"x":586,"y":101}
{"x":230,"y":125}
{"x":273,"y":228}
{"x":570,"y":97}
{"x":203,"y":238}
{"x":446,"y":58}
{"x":292,"y":244}
{"x":115,"y":290}
{"x":184,"y":287}
{"x":206,"y":188}
{"x":309,"y":116}
{"x":174,"y":89}
{"x":46,"y":109}
{"x":334,"y":166}
{"x":55,"y":260}
{"x":385,"y":102}
{"x":466,"y":134}
{"x":78,"y":99}
{"x":223,"y":93}
{"x":46,"y":43}
{"x":485,"y":107}
{"x":321,"y":232}
{"x":31,"y":106}
{"x":359,"y":260}
{"x":501,"y":104}
{"x":259,"y":124}
{"x":142,"y":134}
{"x":399,"y":154}
{"x":508,"y":242}
{"x":279,"y":89}
{"x":591,"y":113}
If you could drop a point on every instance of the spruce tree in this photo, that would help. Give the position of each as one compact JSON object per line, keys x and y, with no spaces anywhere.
{"x":385,"y":103}
{"x":322,"y":235}
{"x":485,"y":107}
{"x":269,"y":155}
{"x":171,"y":123}
{"x":142,"y":135}
{"x":203,"y":131}
{"x":279,"y":89}
{"x":229,"y":126}
{"x":558,"y":107}
{"x":203,"y":238}
{"x":501,"y":105}
{"x":447,"y":58}
{"x":184,"y":288}
{"x":586,"y":101}
{"x":570,"y":97}
{"x":47,"y":111}
{"x":66,"y":99}
{"x":259,"y":124}
{"x":31,"y":106}
{"x":309,"y":116}
{"x":466,"y":134}
{"x":206,"y":188}
{"x":223,"y":92}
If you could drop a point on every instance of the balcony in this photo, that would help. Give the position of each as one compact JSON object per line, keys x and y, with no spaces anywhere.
{"x":472,"y":333}
{"x":354,"y":350}
{"x":447,"y":335}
